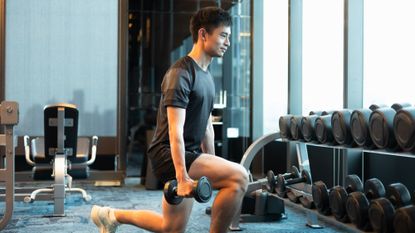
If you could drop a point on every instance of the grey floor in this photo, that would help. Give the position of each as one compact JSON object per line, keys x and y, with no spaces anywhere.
{"x":34,"y":217}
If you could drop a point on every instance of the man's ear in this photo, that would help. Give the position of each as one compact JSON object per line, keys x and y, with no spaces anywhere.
{"x":202,"y":33}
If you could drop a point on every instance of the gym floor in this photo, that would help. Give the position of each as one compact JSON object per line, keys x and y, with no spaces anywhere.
{"x":34,"y":217}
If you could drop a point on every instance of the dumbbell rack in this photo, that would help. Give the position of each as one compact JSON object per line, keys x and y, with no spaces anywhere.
{"x":344,"y":162}
{"x":313,"y":217}
{"x":349,"y":160}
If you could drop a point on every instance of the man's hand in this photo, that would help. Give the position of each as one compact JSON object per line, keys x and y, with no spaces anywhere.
{"x":185,"y":187}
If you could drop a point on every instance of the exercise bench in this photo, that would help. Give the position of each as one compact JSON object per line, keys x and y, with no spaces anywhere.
{"x":60,"y":155}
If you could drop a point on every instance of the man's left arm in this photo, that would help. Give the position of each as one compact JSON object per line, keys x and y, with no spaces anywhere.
{"x":208,"y":142}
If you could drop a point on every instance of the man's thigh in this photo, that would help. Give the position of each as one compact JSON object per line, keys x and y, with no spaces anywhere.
{"x":218,"y":170}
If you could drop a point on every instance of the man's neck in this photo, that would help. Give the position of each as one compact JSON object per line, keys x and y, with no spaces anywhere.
{"x":200,"y":57}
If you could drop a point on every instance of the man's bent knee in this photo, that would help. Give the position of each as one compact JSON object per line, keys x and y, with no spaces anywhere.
{"x":240,"y":179}
{"x":244,"y":181}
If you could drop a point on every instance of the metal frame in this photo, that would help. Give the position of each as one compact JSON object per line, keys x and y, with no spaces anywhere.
{"x":122,"y":83}
{"x":257,"y":71}
{"x":295,"y":57}
{"x":246,"y":161}
{"x":9,"y":118}
{"x":2,"y":47}
{"x":353,"y":54}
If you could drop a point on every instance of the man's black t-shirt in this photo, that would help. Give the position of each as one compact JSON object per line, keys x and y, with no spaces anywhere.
{"x":187,"y":86}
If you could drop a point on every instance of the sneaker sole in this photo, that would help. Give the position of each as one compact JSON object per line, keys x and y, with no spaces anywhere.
{"x":95,"y":218}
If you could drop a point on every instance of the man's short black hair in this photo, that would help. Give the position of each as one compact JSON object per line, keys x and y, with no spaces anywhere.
{"x":209,"y":18}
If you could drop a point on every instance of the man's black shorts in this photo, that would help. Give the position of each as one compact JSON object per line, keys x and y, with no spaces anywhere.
{"x":162,"y":162}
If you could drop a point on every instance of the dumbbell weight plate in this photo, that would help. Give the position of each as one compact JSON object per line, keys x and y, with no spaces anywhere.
{"x":374,"y":189}
{"x":203,"y":191}
{"x":404,"y":220}
{"x":398,"y":194}
{"x":270,"y":181}
{"x":170,"y":193}
{"x":381,"y":212}
{"x":353,"y":183}
{"x":357,"y":206}
{"x":337,"y":200}
{"x":338,"y":197}
{"x":295,"y":172}
{"x":321,"y":197}
{"x":280,"y":186}
{"x":307,"y":176}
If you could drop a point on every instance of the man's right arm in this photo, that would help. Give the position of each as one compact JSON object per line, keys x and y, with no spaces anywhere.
{"x":176,"y":117}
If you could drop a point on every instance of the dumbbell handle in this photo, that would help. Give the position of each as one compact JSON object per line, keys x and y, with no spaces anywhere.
{"x":288,"y":175}
{"x":295,"y":181}
{"x":174,"y":190}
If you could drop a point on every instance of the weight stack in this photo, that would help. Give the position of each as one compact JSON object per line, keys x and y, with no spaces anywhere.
{"x":340,"y":122}
{"x":404,"y":128}
{"x":284,"y":123}
{"x":308,"y":128}
{"x":359,"y":126}
{"x":381,"y":126}
{"x":295,"y":128}
{"x":323,"y":129}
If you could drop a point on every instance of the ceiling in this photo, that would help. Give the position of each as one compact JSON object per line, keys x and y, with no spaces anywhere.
{"x":173,"y":16}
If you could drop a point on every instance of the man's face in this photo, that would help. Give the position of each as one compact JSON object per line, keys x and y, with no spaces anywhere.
{"x":217,"y":42}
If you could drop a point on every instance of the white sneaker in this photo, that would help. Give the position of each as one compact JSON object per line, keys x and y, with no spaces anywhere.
{"x":101,"y":217}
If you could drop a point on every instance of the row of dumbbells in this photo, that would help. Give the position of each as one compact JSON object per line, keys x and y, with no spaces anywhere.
{"x":279,"y":185}
{"x":379,"y":126}
{"x":371,"y":208}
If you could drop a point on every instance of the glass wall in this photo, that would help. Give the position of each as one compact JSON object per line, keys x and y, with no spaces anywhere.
{"x":63,"y":51}
{"x":323,"y":22}
{"x":389,"y":49}
{"x":159,"y":35}
{"x":237,"y":70}
{"x":275,"y":79}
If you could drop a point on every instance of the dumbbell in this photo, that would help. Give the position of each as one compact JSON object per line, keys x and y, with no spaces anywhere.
{"x":271,"y":178}
{"x":295,"y":127}
{"x":333,"y":200}
{"x":359,"y":127}
{"x":357,"y":204}
{"x":381,"y":127}
{"x":382,"y":210}
{"x":323,"y":129}
{"x":282,"y":183}
{"x":340,"y":122}
{"x":308,"y":126}
{"x":202,"y":191}
{"x":338,"y":197}
{"x":404,"y":220}
{"x":284,"y":124}
{"x":404,"y":128}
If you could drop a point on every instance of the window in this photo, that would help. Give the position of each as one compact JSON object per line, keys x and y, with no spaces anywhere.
{"x":275,"y":83}
{"x":322,"y":55}
{"x":388,"y":51}
{"x":63,"y":51}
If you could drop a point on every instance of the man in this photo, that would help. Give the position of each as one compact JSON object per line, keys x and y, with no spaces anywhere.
{"x":183,"y":144}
